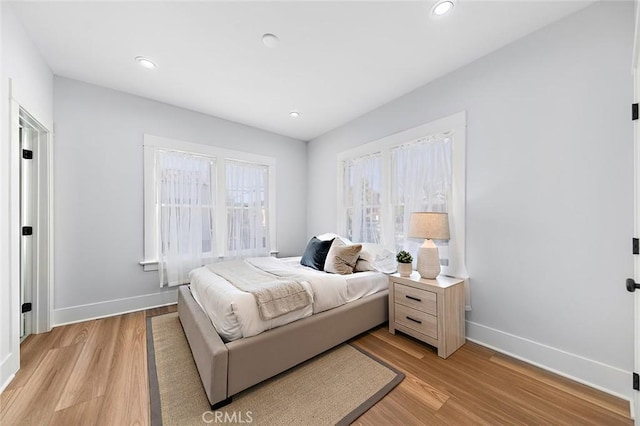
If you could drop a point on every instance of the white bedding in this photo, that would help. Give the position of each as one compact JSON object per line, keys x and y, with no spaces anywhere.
{"x":234,"y":313}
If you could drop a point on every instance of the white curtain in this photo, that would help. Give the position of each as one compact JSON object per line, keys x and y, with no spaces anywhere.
{"x":362,"y":191}
{"x":186,"y":185}
{"x":421,"y":180}
{"x":247,"y":198}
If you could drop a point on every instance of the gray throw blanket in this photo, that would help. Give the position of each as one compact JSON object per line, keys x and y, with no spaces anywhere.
{"x":275,"y":296}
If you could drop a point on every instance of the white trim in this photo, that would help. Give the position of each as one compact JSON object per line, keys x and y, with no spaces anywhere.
{"x":45,"y":324}
{"x":149,"y":265}
{"x":6,"y":383}
{"x":11,"y":364}
{"x":35,"y":111}
{"x":207,"y":150}
{"x":635,"y":406}
{"x":595,"y":374}
{"x":151,"y":144}
{"x":441,"y":125}
{"x":110,"y":308}
{"x":43,"y":245}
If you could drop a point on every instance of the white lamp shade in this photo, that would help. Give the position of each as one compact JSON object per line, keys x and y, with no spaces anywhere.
{"x":429,"y":225}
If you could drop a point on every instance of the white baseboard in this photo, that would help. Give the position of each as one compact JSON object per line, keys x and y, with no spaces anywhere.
{"x":595,"y":374}
{"x":6,"y":383}
{"x":109,"y":308}
{"x":8,"y":368}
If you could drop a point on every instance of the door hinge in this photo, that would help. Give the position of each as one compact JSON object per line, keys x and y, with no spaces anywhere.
{"x":26,"y":307}
{"x":27,"y":230}
{"x":636,"y":246}
{"x":27,"y":154}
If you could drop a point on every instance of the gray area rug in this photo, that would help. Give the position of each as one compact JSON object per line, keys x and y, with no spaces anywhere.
{"x":335,"y":387}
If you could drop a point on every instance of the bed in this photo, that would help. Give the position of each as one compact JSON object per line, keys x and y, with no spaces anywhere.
{"x":229,"y":364}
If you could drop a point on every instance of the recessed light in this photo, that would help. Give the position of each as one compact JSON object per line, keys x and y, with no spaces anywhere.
{"x":270,"y":40}
{"x":145,"y":62}
{"x":442,"y":8}
{"x":295,"y":114}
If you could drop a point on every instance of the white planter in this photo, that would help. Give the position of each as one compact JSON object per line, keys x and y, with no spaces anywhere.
{"x":405,"y":269}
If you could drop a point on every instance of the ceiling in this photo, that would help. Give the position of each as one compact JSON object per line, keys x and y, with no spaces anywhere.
{"x":335,"y":60}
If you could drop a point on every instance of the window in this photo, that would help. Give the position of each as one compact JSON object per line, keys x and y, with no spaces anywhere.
{"x":202,"y":204}
{"x":421,"y":169}
{"x":420,"y":181}
{"x":185,"y":209}
{"x":362,"y":202}
{"x":247,"y":190}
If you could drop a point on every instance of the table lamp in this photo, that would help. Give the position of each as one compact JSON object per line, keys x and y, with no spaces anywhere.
{"x":430,"y":226}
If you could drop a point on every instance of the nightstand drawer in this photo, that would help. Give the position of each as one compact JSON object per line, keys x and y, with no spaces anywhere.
{"x":421,"y":300}
{"x":416,"y":320}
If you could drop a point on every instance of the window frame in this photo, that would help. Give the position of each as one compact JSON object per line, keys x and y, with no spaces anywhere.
{"x":152,"y":144}
{"x":456,"y":125}
{"x":270,"y":212}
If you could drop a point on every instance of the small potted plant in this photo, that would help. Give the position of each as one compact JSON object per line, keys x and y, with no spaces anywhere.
{"x":404,"y":259}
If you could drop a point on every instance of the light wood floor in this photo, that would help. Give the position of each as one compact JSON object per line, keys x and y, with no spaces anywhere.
{"x":95,"y":373}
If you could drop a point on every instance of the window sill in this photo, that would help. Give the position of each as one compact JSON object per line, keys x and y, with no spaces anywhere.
{"x":152,"y":265}
{"x":149,"y":265}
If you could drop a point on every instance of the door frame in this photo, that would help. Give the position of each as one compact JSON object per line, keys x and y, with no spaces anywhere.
{"x":635,"y":400}
{"x":43,"y":224}
{"x":43,"y":289}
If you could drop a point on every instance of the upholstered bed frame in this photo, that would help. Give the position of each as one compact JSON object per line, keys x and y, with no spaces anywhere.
{"x":228,"y":368}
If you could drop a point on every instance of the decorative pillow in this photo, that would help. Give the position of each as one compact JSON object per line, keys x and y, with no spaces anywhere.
{"x":386,"y":262}
{"x":370,"y":251}
{"x":316,"y":253}
{"x":342,"y":258}
{"x":363,"y":265}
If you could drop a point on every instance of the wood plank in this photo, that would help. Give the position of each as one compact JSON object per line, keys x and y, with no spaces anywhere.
{"x":539,"y":399}
{"x":509,"y":395}
{"x":126,"y":400}
{"x":32,"y":351}
{"x":586,"y":393}
{"x":472,"y":381}
{"x":83,"y":413}
{"x":433,"y":370}
{"x":40,"y":394}
{"x":421,"y":393}
{"x":454,"y":412}
{"x":7,"y":397}
{"x":161,"y":310}
{"x":73,"y":334}
{"x":397,"y":340}
{"x":475,"y":385}
{"x":392,"y":411}
{"x":89,"y":377}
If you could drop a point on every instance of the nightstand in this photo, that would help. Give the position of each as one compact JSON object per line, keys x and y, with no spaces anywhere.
{"x":429,"y":310}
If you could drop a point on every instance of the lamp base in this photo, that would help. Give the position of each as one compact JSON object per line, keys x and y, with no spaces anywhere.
{"x":428,"y":260}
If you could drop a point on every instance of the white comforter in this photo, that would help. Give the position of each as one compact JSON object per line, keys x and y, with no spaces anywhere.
{"x":234,"y":313}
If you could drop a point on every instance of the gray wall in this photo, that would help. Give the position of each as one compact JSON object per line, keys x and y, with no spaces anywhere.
{"x":98,"y":161}
{"x":32,"y":87}
{"x":549,"y":185}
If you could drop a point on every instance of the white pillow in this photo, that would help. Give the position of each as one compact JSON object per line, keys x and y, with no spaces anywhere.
{"x":386,"y":262}
{"x":370,"y":251}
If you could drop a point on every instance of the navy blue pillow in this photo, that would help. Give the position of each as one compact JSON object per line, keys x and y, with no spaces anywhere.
{"x":316,"y":253}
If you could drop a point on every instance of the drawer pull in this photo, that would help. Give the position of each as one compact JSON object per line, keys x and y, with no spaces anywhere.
{"x":413,"y":298}
{"x":414,"y":320}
